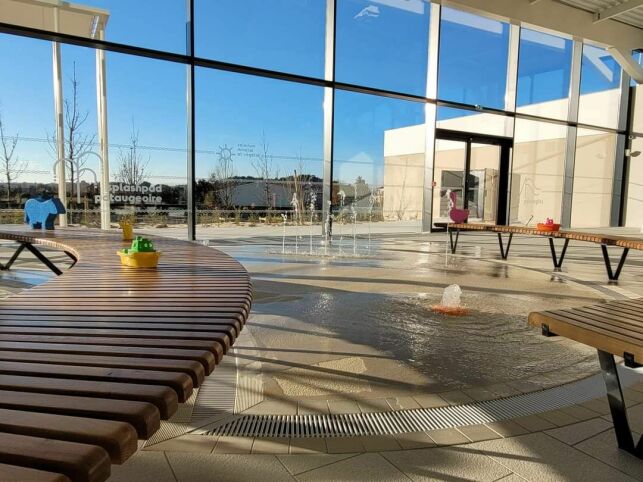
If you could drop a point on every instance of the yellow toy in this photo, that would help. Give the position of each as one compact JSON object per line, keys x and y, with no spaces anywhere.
{"x":128,"y":230}
{"x":140,"y":255}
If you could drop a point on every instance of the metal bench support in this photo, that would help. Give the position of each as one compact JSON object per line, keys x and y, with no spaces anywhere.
{"x":613,"y":275}
{"x":558,"y":260}
{"x":13,"y":258}
{"x":617,"y":405}
{"x":454,"y":245}
{"x":504,"y":251}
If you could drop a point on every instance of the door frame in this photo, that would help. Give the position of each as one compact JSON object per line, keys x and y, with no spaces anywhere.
{"x":506,"y":146}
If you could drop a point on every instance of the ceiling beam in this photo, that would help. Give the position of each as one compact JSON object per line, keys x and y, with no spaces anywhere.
{"x":619,"y":9}
{"x":556,"y":17}
{"x":628,"y":63}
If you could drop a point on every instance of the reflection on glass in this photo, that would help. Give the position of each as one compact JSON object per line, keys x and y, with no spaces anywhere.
{"x":27,"y":125}
{"x":379,"y":148}
{"x":483,"y":183}
{"x":148,"y":143}
{"x":634,"y":201}
{"x":283,"y":35}
{"x":593,"y":178}
{"x":259,"y":152}
{"x":448,"y":177}
{"x":383,"y":44}
{"x":473,"y":59}
{"x":544,"y":73}
{"x":155,"y":24}
{"x":538,"y":172}
{"x":474,"y":122}
{"x":599,"y":88}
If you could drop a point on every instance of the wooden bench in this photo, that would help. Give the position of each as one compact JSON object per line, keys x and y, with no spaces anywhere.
{"x":613,"y":328}
{"x":605,"y":241}
{"x":94,"y":359}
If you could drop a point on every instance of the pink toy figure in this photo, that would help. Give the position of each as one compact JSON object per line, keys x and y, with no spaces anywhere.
{"x":456,"y":215}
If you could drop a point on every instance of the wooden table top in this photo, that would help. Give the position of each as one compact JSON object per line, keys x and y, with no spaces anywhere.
{"x":93,"y":359}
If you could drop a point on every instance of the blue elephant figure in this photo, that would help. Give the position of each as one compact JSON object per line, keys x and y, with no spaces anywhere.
{"x":41,"y":213}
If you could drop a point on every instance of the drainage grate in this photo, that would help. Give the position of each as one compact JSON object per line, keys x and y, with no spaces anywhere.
{"x":415,"y":420}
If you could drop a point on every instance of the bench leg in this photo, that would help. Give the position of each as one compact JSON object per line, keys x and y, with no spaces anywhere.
{"x":454,"y":245}
{"x":613,"y":275}
{"x":558,"y":260}
{"x":42,"y":258}
{"x":73,"y":258}
{"x":504,"y":252}
{"x":617,"y":405}
{"x":13,"y":258}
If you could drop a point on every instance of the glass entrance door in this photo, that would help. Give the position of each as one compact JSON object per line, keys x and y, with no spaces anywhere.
{"x":471,"y":173}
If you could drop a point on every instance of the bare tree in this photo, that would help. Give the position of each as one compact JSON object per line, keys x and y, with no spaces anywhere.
{"x":223,"y":176}
{"x":77,"y":143}
{"x":296,"y":187}
{"x":132,"y":167}
{"x":10,"y":167}
{"x":263,"y":166}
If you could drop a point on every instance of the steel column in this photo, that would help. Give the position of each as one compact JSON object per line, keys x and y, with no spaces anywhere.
{"x":103,"y":140}
{"x":329,"y":109}
{"x":60,"y":124}
{"x":430,"y":116}
{"x":191,"y":138}
{"x":572,"y":131}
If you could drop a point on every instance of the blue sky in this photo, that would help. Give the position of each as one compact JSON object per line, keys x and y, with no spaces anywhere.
{"x":380,"y":43}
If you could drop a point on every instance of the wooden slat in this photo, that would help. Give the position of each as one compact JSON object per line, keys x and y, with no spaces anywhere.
{"x":143,"y":416}
{"x":191,"y":368}
{"x":12,"y":473}
{"x":163,"y":398}
{"x":179,"y":382}
{"x":117,"y":438}
{"x":79,"y":462}
{"x":107,"y":347}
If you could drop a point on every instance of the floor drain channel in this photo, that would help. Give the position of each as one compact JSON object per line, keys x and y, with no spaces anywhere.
{"x":416,"y":420}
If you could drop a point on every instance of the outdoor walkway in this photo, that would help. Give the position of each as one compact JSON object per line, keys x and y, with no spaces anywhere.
{"x":356,"y":335}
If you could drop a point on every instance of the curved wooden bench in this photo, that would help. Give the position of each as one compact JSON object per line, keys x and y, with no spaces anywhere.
{"x":557,"y":258}
{"x":94,"y":359}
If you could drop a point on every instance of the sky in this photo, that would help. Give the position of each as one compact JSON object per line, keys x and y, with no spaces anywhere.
{"x":380,"y":43}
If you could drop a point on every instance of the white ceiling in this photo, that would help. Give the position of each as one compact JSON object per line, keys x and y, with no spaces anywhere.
{"x":631,"y":17}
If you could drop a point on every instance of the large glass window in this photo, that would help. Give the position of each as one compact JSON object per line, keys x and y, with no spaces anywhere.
{"x":543,"y":74}
{"x":378,"y":169}
{"x":27,"y":126}
{"x":147,"y":141}
{"x":282,"y":35}
{"x":475,"y":122}
{"x":599,"y":88}
{"x":473,"y":59}
{"x":538,"y":172}
{"x":259,"y":153}
{"x":383,"y":44}
{"x":593,"y":178}
{"x":154,"y":24}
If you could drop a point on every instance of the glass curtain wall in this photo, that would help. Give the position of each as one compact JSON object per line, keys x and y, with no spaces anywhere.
{"x":27,"y":128}
{"x":275,"y":111}
{"x":378,"y":168}
{"x":259,"y":154}
{"x":538,"y":172}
